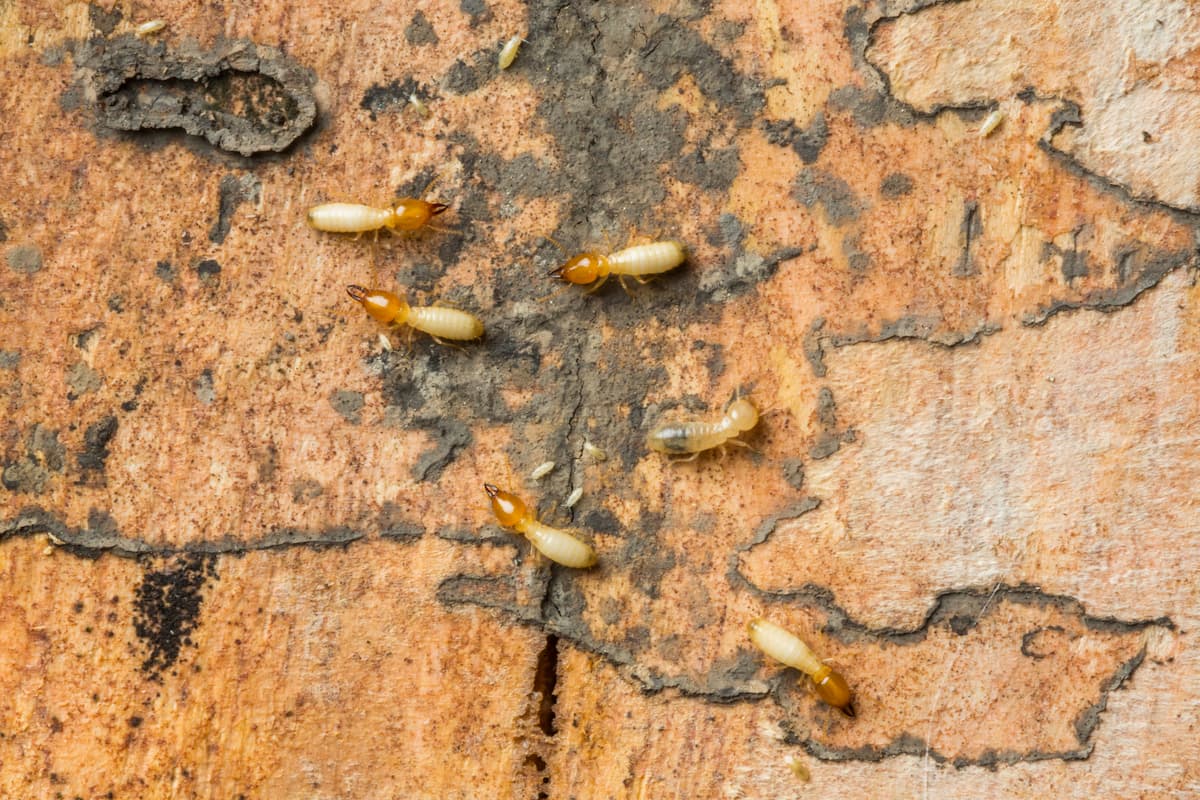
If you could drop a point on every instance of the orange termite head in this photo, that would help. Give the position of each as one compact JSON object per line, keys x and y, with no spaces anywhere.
{"x":833,"y":689}
{"x":382,"y":306}
{"x":508,"y":508}
{"x":410,"y":214}
{"x":583,"y":268}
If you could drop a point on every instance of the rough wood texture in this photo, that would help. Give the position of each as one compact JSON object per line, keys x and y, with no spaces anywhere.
{"x":244,"y":548}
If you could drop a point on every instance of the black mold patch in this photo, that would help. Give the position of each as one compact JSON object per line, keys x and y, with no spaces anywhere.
{"x":477,"y":9}
{"x":208,"y":270}
{"x":420,"y":31}
{"x":25,"y":258}
{"x":3,"y":231}
{"x":164,"y":271}
{"x":241,"y":97}
{"x":793,"y":473}
{"x":95,"y":449}
{"x":348,"y":404}
{"x":82,"y":379}
{"x":464,"y":78}
{"x":857,"y":259}
{"x":233,"y":191}
{"x":709,"y":169}
{"x":807,"y":142}
{"x":391,"y":96}
{"x":10,"y":359}
{"x":105,"y":22}
{"x":897,"y":184}
{"x":44,"y":456}
{"x":203,"y":387}
{"x":167,"y":609}
{"x":306,"y":489}
{"x":815,"y":187}
{"x":869,"y":107}
{"x":830,"y":439}
{"x":450,"y":436}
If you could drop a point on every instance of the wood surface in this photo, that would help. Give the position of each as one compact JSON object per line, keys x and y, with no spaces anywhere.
{"x":244,"y":546}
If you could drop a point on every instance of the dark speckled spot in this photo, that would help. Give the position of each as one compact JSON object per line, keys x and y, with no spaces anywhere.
{"x":815,"y":187}
{"x":897,"y":184}
{"x":348,"y":404}
{"x":25,"y":258}
{"x":476,"y":9}
{"x":420,"y":31}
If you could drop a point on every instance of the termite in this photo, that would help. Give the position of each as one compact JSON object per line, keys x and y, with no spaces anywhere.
{"x":508,"y":53}
{"x":418,"y":105}
{"x":149,"y":28}
{"x":636,"y":262}
{"x":558,"y":546}
{"x":784,"y":646}
{"x":991,"y":123}
{"x":405,"y":215}
{"x":574,"y":497}
{"x":678,"y":438}
{"x":542,"y":470}
{"x":438,"y":321}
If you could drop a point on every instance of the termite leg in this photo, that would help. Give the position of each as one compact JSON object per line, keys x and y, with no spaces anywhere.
{"x":596,"y":286}
{"x":441,"y":341}
{"x":625,"y":286}
{"x":692,"y":457}
{"x":450,"y":231}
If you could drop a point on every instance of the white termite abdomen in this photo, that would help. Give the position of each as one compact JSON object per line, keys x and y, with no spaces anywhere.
{"x":677,"y":438}
{"x":647,"y":259}
{"x":348,"y":217}
{"x":784,"y":646}
{"x":559,"y":546}
{"x":445,"y":323}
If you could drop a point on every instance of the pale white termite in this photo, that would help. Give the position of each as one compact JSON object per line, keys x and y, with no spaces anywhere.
{"x":542,"y":470}
{"x":595,"y":452}
{"x":573,"y":497}
{"x":991,"y":123}
{"x":637,"y":262}
{"x":407,"y":214}
{"x":558,"y":546}
{"x":784,"y":646}
{"x":798,"y":768}
{"x":680,"y":438}
{"x":149,"y":28}
{"x":508,"y":53}
{"x":418,"y":105}
{"x":437,"y":321}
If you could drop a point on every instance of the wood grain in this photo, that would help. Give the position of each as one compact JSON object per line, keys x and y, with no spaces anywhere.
{"x":244,"y":547}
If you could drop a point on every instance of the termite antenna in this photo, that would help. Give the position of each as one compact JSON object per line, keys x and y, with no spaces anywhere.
{"x":554,"y":242}
{"x":359,"y":293}
{"x":436,"y":177}
{"x":492,"y":491}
